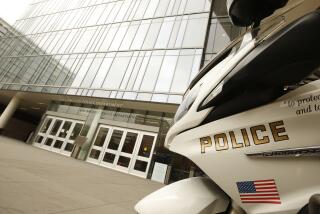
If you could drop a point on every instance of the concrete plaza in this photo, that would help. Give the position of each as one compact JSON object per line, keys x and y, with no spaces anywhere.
{"x":36,"y":181}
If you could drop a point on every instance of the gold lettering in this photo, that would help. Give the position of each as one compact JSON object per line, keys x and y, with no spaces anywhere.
{"x":255,"y":137}
{"x":204,"y":143}
{"x":217,"y":138}
{"x":235,"y":145}
{"x":278,"y":130}
{"x":245,"y":137}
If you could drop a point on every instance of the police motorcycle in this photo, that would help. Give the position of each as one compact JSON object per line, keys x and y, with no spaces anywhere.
{"x":251,"y":119}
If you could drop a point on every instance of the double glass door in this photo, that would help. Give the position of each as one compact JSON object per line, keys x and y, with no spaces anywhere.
{"x":122,"y":149}
{"x":58,"y":134}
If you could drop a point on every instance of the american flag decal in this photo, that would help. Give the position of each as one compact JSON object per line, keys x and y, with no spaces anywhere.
{"x":259,"y":191}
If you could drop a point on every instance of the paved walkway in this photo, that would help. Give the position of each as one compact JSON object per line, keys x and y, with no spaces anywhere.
{"x":36,"y":181}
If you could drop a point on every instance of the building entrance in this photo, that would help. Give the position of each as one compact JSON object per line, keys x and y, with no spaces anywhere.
{"x":58,"y":134}
{"x":123,"y":149}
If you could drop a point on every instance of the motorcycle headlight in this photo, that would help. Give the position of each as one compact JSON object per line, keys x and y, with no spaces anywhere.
{"x":206,"y":103}
{"x":188,"y":99}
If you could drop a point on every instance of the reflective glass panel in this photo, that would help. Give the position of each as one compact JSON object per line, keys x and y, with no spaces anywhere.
{"x":46,"y":125}
{"x":140,"y":165}
{"x":129,"y":142}
{"x":58,"y":144}
{"x":115,"y":139}
{"x":39,"y":139}
{"x":102,"y":134}
{"x":65,"y":129}
{"x":109,"y":157}
{"x":94,"y":154}
{"x":55,"y":127}
{"x":146,"y":146}
{"x":166,"y":73}
{"x":116,"y":72}
{"x":195,"y":24}
{"x":123,"y":161}
{"x":152,"y":35}
{"x":69,"y":147}
{"x":48,"y":142}
{"x":76,"y":130}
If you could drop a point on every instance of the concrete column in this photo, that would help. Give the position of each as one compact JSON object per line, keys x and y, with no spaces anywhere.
{"x":8,"y":112}
{"x":92,"y":123}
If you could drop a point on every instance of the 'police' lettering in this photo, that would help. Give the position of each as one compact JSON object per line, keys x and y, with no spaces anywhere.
{"x":239,"y":138}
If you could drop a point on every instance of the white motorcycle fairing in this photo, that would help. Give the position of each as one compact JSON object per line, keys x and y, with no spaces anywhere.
{"x":249,"y":125}
{"x":262,"y":156}
{"x":188,"y":196}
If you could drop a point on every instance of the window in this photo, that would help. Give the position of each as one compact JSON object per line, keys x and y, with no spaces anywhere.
{"x":109,"y":35}
{"x":135,"y":72}
{"x":123,"y":10}
{"x":146,"y":146}
{"x":117,"y":70}
{"x":162,"y":8}
{"x":128,"y":71}
{"x":114,"y":12}
{"x":131,"y":32}
{"x":165,"y":32}
{"x":182,"y":73}
{"x":182,"y":29}
{"x":152,"y":71}
{"x":151,"y":8}
{"x":142,"y":71}
{"x":174,"y":32}
{"x":119,"y":37}
{"x":90,"y":74}
{"x":85,"y":40}
{"x":152,"y":34}
{"x":104,"y":16}
{"x":141,"y":9}
{"x":141,"y":34}
{"x":102,"y":72}
{"x":102,"y":134}
{"x":167,"y":71}
{"x":196,"y":23}
{"x":97,"y":12}
{"x":82,"y":71}
{"x":194,"y":6}
{"x":115,"y":139}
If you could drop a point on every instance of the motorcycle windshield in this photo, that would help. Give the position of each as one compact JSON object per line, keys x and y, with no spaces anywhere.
{"x":258,"y":34}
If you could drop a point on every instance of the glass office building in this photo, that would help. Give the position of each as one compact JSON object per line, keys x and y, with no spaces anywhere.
{"x":105,"y":77}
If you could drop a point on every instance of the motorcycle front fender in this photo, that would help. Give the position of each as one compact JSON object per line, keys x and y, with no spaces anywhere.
{"x":193,"y":195}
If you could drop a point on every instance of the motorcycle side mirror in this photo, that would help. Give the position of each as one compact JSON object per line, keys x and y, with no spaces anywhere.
{"x":245,"y":13}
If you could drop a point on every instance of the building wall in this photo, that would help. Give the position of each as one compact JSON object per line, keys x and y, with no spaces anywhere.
{"x":127,"y":49}
{"x":144,"y":50}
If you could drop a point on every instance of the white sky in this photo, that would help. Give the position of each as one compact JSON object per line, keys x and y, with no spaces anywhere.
{"x":11,"y":10}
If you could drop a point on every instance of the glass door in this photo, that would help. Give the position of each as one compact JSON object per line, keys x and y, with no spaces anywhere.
{"x":42,"y":134}
{"x":126,"y":151}
{"x":62,"y":135}
{"x":111,"y":154}
{"x":143,"y":154}
{"x":58,"y":134}
{"x":52,"y":133}
{"x":123,"y":149}
{"x":99,"y":143}
{"x":73,"y":132}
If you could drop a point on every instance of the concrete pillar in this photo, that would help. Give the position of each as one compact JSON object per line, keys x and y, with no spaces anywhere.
{"x":8,"y":112}
{"x":92,"y":123}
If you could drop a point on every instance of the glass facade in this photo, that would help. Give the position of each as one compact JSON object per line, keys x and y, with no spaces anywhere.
{"x":139,"y":50}
{"x":220,"y":32}
{"x":147,"y":50}
{"x":127,"y":49}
